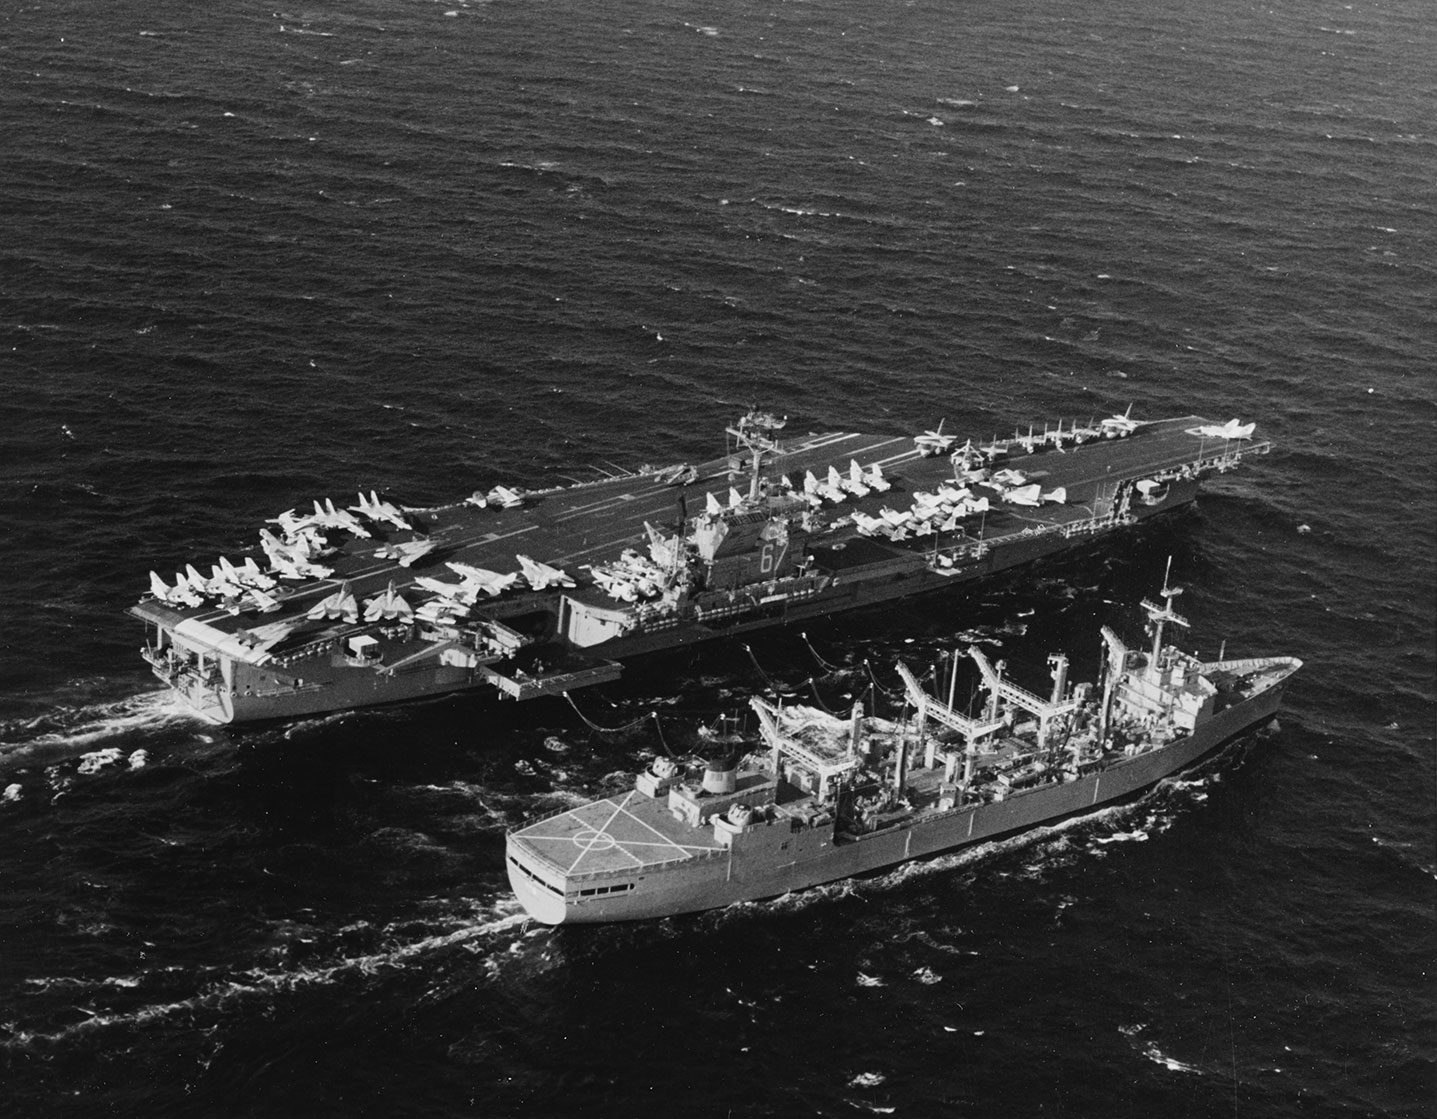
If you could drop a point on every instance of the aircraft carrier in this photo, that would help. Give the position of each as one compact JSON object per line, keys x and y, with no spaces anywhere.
{"x":527,"y":594}
{"x":841,"y":797}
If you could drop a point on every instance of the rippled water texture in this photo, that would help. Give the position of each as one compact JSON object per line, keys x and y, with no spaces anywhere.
{"x":255,"y":256}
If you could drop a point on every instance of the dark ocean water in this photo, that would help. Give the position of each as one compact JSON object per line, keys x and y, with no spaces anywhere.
{"x":255,"y":256}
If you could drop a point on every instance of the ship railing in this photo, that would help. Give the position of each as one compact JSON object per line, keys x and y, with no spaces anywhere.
{"x":693,"y":855}
{"x":567,"y":876}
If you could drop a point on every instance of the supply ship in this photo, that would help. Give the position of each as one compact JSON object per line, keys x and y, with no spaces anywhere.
{"x":834,"y":798}
{"x":533,"y":593}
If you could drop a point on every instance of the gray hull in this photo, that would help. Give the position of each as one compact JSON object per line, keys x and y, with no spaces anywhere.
{"x":775,"y":861}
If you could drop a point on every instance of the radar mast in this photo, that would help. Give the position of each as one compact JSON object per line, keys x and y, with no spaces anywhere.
{"x":754,"y":432}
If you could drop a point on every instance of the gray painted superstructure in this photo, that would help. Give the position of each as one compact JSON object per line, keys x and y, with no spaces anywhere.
{"x":837,"y":799}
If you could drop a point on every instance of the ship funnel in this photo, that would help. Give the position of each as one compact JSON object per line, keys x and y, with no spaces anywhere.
{"x":721,"y":775}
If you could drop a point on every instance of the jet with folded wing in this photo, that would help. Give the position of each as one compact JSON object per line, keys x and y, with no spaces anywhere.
{"x":327,"y":516}
{"x":339,"y":606}
{"x":1119,"y":427}
{"x":181,"y":594}
{"x":932,"y":443}
{"x":378,"y":510}
{"x":541,"y":575}
{"x":389,"y":606}
{"x":506,"y":497}
{"x":407,"y":553}
{"x":481,"y":579}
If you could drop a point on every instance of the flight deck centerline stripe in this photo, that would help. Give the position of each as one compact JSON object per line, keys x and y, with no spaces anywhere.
{"x":601,"y":831}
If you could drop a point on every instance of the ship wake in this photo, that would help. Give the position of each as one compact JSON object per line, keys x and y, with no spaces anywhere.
{"x":69,"y":732}
{"x":491,"y":932}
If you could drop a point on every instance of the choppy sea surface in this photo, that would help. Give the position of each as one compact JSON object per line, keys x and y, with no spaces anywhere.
{"x":254,"y":256}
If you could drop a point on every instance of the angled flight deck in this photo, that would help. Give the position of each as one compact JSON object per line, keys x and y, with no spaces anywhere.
{"x":544,"y":592}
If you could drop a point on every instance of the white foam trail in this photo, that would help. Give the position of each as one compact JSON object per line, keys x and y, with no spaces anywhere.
{"x":1157,"y":1056}
{"x":85,"y":726}
{"x":259,"y":983}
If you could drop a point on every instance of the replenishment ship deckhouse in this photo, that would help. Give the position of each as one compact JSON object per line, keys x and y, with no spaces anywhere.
{"x":544,"y":592}
{"x":836,"y":798}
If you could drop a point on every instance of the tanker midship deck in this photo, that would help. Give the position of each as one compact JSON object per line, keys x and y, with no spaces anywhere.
{"x":544,"y":592}
{"x":837,"y":797}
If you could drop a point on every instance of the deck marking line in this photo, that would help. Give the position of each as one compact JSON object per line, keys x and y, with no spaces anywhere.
{"x":619,"y":808}
{"x":662,"y":836}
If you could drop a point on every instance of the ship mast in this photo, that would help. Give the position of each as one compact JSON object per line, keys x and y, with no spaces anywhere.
{"x":754,"y":433}
{"x":1158,"y":616}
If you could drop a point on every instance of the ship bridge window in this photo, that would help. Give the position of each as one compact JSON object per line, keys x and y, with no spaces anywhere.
{"x":595,"y":891}
{"x":530,"y":874}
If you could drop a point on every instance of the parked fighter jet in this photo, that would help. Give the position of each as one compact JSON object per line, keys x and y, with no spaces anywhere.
{"x":327,"y":516}
{"x":480,"y":579}
{"x":250,"y":575}
{"x":932,"y":443}
{"x":290,"y":561}
{"x":292,"y":524}
{"x":615,"y":586}
{"x":462,"y":594}
{"x":506,"y":497}
{"x":680,"y":475}
{"x":340,"y":605}
{"x":1117,"y":427}
{"x":264,"y":603}
{"x":377,"y":510}
{"x":407,"y":553}
{"x":180,"y":594}
{"x":541,"y":575}
{"x":866,"y":525}
{"x":854,"y":483}
{"x":836,"y":483}
{"x":215,"y":588}
{"x":297,"y":550}
{"x":814,"y":488}
{"x":875,"y":480}
{"x":224,"y":583}
{"x":646,"y":575}
{"x":389,"y":606}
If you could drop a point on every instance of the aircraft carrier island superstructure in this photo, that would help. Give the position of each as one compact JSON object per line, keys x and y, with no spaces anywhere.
{"x":544,"y":592}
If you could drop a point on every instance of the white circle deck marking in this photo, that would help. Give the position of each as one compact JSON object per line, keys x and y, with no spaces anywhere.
{"x":593,"y":840}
